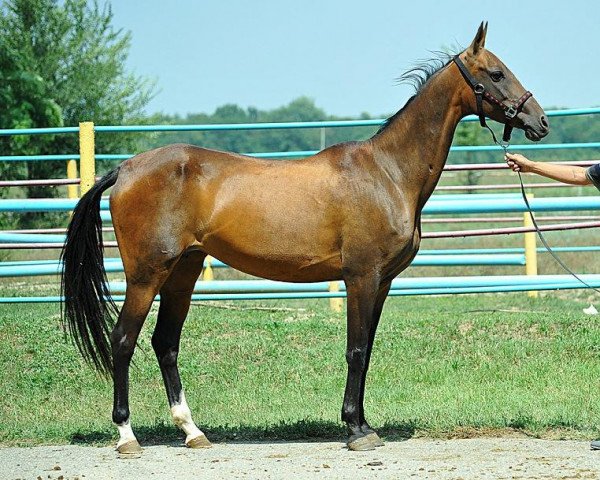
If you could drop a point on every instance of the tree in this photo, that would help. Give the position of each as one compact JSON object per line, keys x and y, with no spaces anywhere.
{"x":24,"y":103}
{"x":60,"y":64}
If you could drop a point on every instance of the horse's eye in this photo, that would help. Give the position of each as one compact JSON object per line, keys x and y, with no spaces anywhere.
{"x":497,"y":76}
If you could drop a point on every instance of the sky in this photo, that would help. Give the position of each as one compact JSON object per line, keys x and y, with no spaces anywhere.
{"x":347,"y":54}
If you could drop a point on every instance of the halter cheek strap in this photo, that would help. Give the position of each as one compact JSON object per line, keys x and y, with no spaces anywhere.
{"x":510,"y":111}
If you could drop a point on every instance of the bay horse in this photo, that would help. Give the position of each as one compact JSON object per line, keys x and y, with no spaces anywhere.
{"x":351,"y":212}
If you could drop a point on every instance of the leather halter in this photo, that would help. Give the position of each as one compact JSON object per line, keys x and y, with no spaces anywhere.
{"x":510,"y":111}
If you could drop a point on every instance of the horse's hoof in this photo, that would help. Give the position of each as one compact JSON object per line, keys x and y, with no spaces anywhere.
{"x":132,"y":447}
{"x":199,"y":442}
{"x":374,"y":439}
{"x":360,"y":444}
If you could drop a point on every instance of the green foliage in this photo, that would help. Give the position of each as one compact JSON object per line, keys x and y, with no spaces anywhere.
{"x":24,"y":103}
{"x":302,"y":109}
{"x":61,"y":64}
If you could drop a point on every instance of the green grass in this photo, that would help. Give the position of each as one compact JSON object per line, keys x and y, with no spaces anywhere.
{"x":442,"y":366}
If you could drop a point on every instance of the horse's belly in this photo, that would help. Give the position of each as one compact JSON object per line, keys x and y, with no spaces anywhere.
{"x":277,"y":257}
{"x":285,"y":271}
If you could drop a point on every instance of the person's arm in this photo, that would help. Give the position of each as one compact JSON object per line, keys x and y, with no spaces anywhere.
{"x":562,"y":173}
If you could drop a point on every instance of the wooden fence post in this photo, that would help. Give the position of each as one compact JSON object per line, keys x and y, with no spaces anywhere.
{"x":335,"y":303}
{"x":207,"y":272}
{"x":87,"y":160}
{"x":531,"y":267}
{"x":72,"y":190}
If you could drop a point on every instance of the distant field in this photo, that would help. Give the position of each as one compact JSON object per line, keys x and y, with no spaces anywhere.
{"x":443,"y":366}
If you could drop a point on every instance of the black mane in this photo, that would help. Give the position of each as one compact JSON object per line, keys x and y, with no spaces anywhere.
{"x":418,"y":76}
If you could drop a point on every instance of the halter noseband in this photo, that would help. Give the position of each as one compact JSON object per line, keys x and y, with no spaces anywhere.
{"x":510,"y":111}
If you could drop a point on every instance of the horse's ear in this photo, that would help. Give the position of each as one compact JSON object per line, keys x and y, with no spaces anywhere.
{"x":479,"y":41}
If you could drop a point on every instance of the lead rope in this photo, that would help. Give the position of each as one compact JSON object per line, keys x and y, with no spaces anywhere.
{"x":504,"y":146}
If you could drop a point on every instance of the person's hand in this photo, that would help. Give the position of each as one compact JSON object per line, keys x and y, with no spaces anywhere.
{"x":518,"y":163}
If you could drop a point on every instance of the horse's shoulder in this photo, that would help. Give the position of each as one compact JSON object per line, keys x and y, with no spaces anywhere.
{"x":349,"y":156}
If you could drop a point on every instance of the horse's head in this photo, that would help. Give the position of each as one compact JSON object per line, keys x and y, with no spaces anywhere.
{"x":501,"y":95}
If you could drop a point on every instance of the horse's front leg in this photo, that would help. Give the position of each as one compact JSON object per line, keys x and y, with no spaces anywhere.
{"x":377,"y":310}
{"x":363,"y":293}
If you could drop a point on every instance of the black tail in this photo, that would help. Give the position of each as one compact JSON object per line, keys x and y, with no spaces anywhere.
{"x":88,"y":307}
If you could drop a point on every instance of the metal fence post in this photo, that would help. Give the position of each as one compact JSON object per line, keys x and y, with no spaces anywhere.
{"x":87,"y":161}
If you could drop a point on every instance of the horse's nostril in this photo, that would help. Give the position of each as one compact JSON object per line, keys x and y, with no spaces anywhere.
{"x":544,"y":122}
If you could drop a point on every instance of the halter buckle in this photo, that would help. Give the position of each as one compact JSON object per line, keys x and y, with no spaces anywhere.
{"x":511,"y":112}
{"x":479,"y":89}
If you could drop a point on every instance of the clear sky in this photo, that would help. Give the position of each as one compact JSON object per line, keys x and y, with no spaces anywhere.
{"x":346,"y":54}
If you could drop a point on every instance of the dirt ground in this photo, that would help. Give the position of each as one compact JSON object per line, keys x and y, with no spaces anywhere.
{"x":468,"y":459}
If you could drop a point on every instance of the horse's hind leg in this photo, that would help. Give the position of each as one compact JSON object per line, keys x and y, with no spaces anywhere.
{"x":175,"y":297}
{"x":138,"y":300}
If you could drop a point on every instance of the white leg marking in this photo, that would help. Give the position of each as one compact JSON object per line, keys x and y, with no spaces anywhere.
{"x":183,"y":419}
{"x":125,"y":433}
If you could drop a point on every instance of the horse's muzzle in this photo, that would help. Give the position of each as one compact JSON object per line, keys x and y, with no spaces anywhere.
{"x":536,"y":128}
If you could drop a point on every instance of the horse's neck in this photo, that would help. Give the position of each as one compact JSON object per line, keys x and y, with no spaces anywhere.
{"x":415,"y":145}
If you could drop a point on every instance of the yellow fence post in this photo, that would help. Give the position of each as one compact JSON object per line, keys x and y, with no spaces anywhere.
{"x":531,"y":267}
{"x":335,"y":303}
{"x":87,"y":160}
{"x":207,"y":273}
{"x":72,"y":190}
